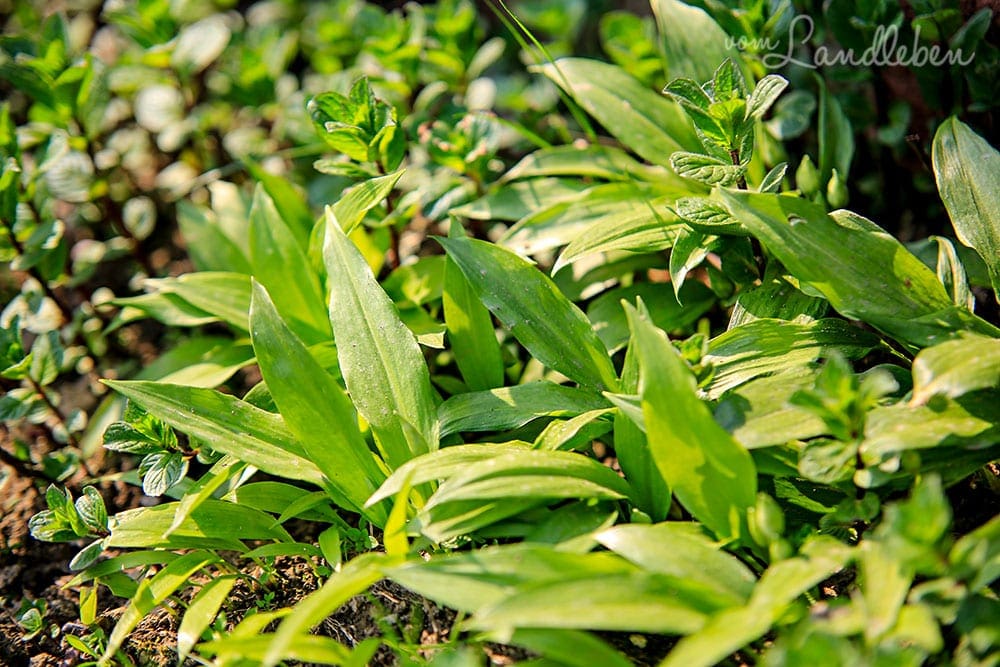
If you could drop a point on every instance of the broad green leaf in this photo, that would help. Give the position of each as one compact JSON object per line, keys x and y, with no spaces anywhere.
{"x":281,"y":265}
{"x":865,"y":274}
{"x":967,"y":421}
{"x":606,"y":162}
{"x":214,"y":524}
{"x":442,"y":464}
{"x":470,"y":329}
{"x":227,"y":424}
{"x":966,"y":168}
{"x":637,"y":602}
{"x":956,"y":367}
{"x":647,"y":226}
{"x":278,"y":498}
{"x":768,"y":346}
{"x":356,"y":201}
{"x":643,"y":121}
{"x":509,"y":483}
{"x":665,"y":310}
{"x":532,"y":473}
{"x":711,"y":474}
{"x":200,"y":613}
{"x":223,"y":295}
{"x":289,"y":203}
{"x":691,"y":43}
{"x":684,"y":551}
{"x":528,"y":303}
{"x":468,"y":581}
{"x":776,"y":299}
{"x":313,"y":405}
{"x":353,"y":579}
{"x":759,"y":414}
{"x":514,"y":201}
{"x":151,"y":593}
{"x":512,"y":407}
{"x":707,"y":216}
{"x":381,"y":362}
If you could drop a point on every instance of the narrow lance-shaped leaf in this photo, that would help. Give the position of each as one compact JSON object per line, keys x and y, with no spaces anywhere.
{"x":643,"y":121}
{"x":711,"y":474}
{"x":966,"y":168}
{"x":382,"y":365}
{"x":351,"y":208}
{"x":229,"y":425}
{"x":281,"y":265}
{"x":548,"y":324}
{"x":470,"y":329}
{"x":314,"y":406}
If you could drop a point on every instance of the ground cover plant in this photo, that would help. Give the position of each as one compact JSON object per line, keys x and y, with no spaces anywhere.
{"x":458,"y":334}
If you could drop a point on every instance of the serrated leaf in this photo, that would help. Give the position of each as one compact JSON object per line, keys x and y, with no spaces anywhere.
{"x":382,"y":365}
{"x":706,"y":169}
{"x":528,"y":303}
{"x":160,"y":471}
{"x":91,"y":508}
{"x":764,"y":94}
{"x":707,"y":216}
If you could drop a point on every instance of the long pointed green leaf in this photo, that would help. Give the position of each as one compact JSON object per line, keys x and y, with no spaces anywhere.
{"x":512,"y":407}
{"x":470,"y":329}
{"x":280,"y":264}
{"x":353,"y":579}
{"x":966,"y":168}
{"x":382,"y":364}
{"x":548,"y":324}
{"x":201,"y":612}
{"x":351,"y":208}
{"x":649,"y":124}
{"x":711,"y":474}
{"x":314,"y":407}
{"x":229,"y":425}
{"x":682,"y":550}
{"x":864,"y":273}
